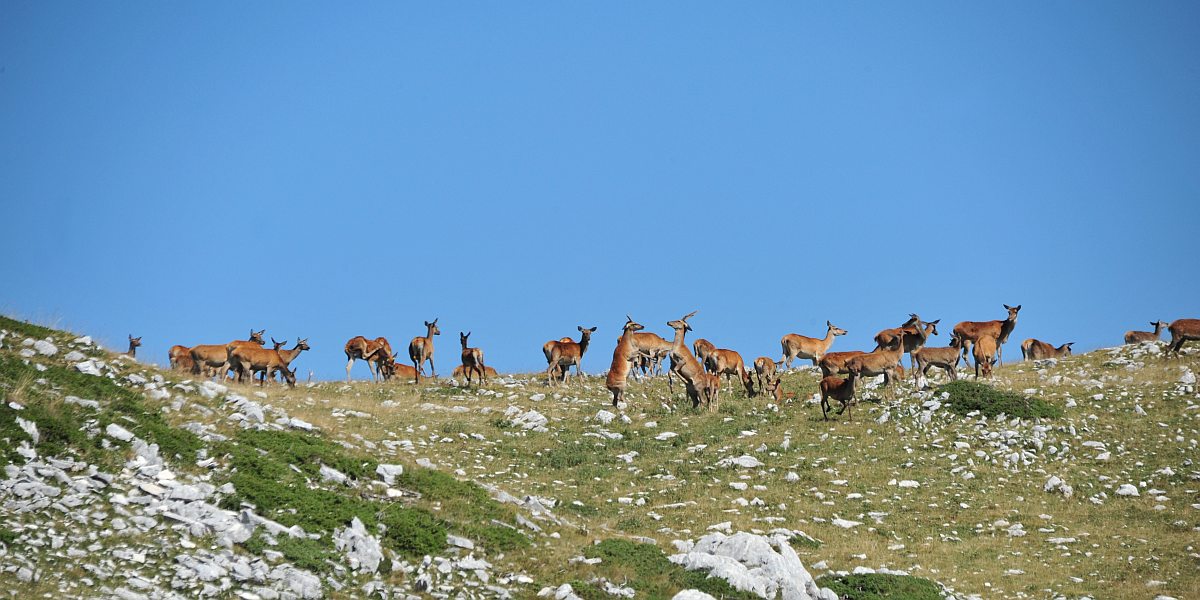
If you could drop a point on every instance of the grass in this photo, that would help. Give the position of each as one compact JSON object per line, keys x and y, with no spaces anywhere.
{"x":655,"y":576}
{"x":304,"y":553}
{"x":969,"y":396}
{"x":879,"y":586}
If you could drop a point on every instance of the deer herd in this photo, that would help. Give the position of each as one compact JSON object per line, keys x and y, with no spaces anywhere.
{"x":639,"y":354}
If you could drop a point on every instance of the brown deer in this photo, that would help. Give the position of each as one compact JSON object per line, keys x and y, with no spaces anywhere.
{"x":134,"y":342}
{"x":914,"y":337}
{"x":838,"y":389}
{"x":1032,"y":349}
{"x":370,"y":351}
{"x":984,"y":350}
{"x":1137,"y":337}
{"x":472,"y":359}
{"x":176,"y":355}
{"x":876,"y":363}
{"x":772,"y":387}
{"x":618,"y":372}
{"x":700,"y":386}
{"x":459,"y":373}
{"x":390,"y":369}
{"x":702,"y":348}
{"x":968,"y":332}
{"x":835,"y":362}
{"x":215,"y":357}
{"x":1182,"y":331}
{"x":651,"y":349}
{"x":798,"y":346}
{"x":765,"y":368}
{"x":561,"y":354}
{"x":727,"y":362}
{"x":943,"y":358}
{"x":420,"y":349}
{"x":248,"y":359}
{"x":276,"y":346}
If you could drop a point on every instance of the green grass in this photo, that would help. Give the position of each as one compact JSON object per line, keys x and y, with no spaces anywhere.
{"x":7,"y":536}
{"x":967,"y":396}
{"x":36,"y":332}
{"x":301,"y":552}
{"x":654,"y":577}
{"x":878,"y":586}
{"x":414,"y":532}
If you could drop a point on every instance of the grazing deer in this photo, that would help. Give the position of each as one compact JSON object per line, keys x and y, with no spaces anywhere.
{"x":798,"y":346}
{"x":700,"y":386}
{"x":877,"y":362}
{"x":176,"y":356}
{"x":985,"y":355}
{"x":702,"y":348}
{"x":914,"y":337}
{"x":134,"y":342}
{"x":968,"y":332}
{"x":835,"y":362}
{"x":215,"y":357}
{"x":1137,"y":337}
{"x":943,"y":358}
{"x":248,"y":359}
{"x":839,"y":389}
{"x":420,"y":349}
{"x":561,"y":354}
{"x":618,"y":372}
{"x":1032,"y":349}
{"x":1182,"y":331}
{"x":472,"y":359}
{"x":459,"y":373}
{"x":727,"y":362}
{"x":764,"y":369}
{"x":370,"y":351}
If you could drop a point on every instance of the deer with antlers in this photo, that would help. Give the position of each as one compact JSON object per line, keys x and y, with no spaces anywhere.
{"x":373,"y":352}
{"x":563,"y":353}
{"x":472,"y":359}
{"x":618,"y":372}
{"x":1032,"y":349}
{"x":420,"y":349}
{"x":215,"y":357}
{"x":1182,"y":331}
{"x":969,"y":332}
{"x":134,"y":342}
{"x":1137,"y":337}
{"x":803,"y":347}
{"x":727,"y":362}
{"x":700,"y":386}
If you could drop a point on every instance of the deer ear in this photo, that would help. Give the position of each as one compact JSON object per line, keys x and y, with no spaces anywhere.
{"x":935,"y":322}
{"x":593,"y":330}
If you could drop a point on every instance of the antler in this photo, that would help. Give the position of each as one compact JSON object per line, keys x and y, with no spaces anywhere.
{"x":689,"y":315}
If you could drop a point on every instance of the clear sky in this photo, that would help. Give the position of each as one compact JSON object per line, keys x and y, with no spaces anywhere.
{"x":187,"y":171}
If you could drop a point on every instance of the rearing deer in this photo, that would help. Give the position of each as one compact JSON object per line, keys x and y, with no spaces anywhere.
{"x":1137,"y":337}
{"x":472,"y":359}
{"x":799,"y":346}
{"x":701,"y":386}
{"x":561,"y":354}
{"x":618,"y":372}
{"x":420,"y":349}
{"x":969,"y":332}
{"x":134,"y":342}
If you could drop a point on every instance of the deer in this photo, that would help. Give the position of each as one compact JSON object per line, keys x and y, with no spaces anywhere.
{"x":389,"y":368}
{"x":134,"y":342}
{"x":798,"y":346}
{"x":703,"y":348}
{"x":727,"y":362}
{"x":248,"y":359}
{"x":700,"y":386}
{"x":1137,"y":337}
{"x":651,"y":349}
{"x":369,"y":351}
{"x":915,"y":338}
{"x":276,"y":346}
{"x":216,"y":356}
{"x":618,"y":372}
{"x":420,"y":349}
{"x":834,"y":363}
{"x":771,"y":386}
{"x":176,"y":355}
{"x":984,"y":350}
{"x":943,"y":358}
{"x":472,"y":359}
{"x":838,"y":389}
{"x":459,"y":373}
{"x":877,"y":362}
{"x":764,"y":369}
{"x":1182,"y":331}
{"x":1032,"y":349}
{"x":561,"y":354}
{"x":968,"y":332}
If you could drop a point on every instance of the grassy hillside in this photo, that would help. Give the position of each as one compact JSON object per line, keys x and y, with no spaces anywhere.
{"x":946,"y":485}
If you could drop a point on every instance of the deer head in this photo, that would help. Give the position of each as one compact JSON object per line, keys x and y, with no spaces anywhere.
{"x":462,"y":338}
{"x":257,"y":336}
{"x":134,"y":342}
{"x":433,"y":328}
{"x":835,"y":329}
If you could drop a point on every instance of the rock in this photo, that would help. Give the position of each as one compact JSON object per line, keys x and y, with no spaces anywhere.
{"x":30,"y":428}
{"x":116,"y":431}
{"x":1188,"y":378}
{"x":1127,"y":489}
{"x":363,"y":551}
{"x":331,"y":474}
{"x":389,"y":473}
{"x":460,"y":542}
{"x":532,"y":420}
{"x":45,"y":348}
{"x":845,"y":523}
{"x":88,"y":367}
{"x":605,"y":417}
{"x":766,"y":566}
{"x":74,"y":356}
{"x":1056,"y":484}
{"x":745,"y":461}
{"x":908,"y":483}
{"x":666,"y":435}
{"x":692,"y":595}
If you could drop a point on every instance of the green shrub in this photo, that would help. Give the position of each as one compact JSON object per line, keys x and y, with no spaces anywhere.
{"x":877,"y":586}
{"x":7,"y":536}
{"x":967,"y":396}
{"x":656,"y":577}
{"x":36,"y":332}
{"x":304,"y":553}
{"x":413,"y":532}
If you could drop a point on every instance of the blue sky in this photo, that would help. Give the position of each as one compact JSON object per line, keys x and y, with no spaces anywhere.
{"x":186,"y":172}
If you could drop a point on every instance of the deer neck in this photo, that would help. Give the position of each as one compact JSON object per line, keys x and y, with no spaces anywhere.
{"x":583,"y":344}
{"x":828,"y":341}
{"x":429,"y":337}
{"x":289,"y":355}
{"x":1006,"y":327}
{"x":132,"y":350}
{"x":678,"y":346}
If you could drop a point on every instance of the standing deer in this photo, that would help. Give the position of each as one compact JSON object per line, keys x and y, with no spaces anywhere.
{"x":1032,"y":349}
{"x":134,"y":342}
{"x":839,"y":389}
{"x":700,"y":386}
{"x":472,"y":359}
{"x":914,"y":337}
{"x":968,"y":332}
{"x":943,"y":358}
{"x":420,"y":349}
{"x":215,"y":357}
{"x":372,"y":352}
{"x":650,"y":350}
{"x":985,"y":355}
{"x":1182,"y":331}
{"x":248,"y":359}
{"x":618,"y":372}
{"x":561,"y":354}
{"x":1137,"y":337}
{"x":877,"y":362}
{"x":727,"y":362}
{"x":177,"y":354}
{"x":834,"y":363}
{"x":703,"y":348}
{"x":764,"y":369}
{"x":798,"y":346}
